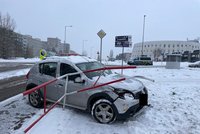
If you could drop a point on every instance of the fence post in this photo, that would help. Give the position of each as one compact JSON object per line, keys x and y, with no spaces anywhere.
{"x":66,"y":82}
{"x":45,"y":92}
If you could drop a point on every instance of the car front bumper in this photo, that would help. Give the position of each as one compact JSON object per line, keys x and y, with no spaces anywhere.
{"x":127,"y":108}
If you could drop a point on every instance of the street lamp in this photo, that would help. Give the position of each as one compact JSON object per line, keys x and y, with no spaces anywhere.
{"x":83,"y":45}
{"x":143,"y":34}
{"x":65,"y":32}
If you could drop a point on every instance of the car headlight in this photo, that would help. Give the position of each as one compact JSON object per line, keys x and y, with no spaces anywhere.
{"x":128,"y":96}
{"x":124,"y":94}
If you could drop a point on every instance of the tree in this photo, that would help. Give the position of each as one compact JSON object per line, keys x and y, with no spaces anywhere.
{"x":111,"y":54}
{"x":7,"y":36}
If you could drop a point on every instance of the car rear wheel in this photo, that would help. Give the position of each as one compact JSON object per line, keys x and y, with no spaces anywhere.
{"x":103,"y":111}
{"x":35,"y":99}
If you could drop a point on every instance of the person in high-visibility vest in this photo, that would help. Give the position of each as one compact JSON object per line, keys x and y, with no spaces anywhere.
{"x":43,"y":54}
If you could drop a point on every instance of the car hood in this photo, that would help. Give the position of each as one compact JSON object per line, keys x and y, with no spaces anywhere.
{"x":131,"y":84}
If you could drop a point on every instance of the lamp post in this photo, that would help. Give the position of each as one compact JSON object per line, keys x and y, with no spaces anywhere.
{"x":143,"y":34}
{"x":83,"y":47}
{"x":65,"y":32}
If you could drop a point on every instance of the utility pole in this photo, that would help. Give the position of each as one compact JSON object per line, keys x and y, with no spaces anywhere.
{"x":143,"y":34}
{"x":65,"y":32}
{"x":83,"y":48}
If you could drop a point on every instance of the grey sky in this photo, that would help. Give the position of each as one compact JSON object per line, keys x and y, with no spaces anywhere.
{"x":166,"y":20}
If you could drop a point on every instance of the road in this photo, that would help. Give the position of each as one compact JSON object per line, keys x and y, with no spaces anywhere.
{"x":15,"y":85}
{"x":12,"y":86}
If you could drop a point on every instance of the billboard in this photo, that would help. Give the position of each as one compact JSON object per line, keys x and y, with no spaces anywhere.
{"x":123,"y":41}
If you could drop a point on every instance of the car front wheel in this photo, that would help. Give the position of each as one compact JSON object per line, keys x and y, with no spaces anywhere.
{"x":103,"y":111}
{"x":35,"y":99}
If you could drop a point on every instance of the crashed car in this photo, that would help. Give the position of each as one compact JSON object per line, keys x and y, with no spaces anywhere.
{"x":106,"y":103}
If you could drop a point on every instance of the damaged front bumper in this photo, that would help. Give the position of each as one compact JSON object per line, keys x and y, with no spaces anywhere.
{"x":128,"y":107}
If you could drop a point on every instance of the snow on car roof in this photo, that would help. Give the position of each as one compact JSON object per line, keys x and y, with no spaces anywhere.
{"x":73,"y":59}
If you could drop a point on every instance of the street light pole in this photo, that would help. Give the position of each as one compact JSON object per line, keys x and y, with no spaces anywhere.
{"x":65,"y":32}
{"x":83,"y":47}
{"x":143,"y":34}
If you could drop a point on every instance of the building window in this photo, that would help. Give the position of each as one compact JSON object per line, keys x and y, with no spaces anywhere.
{"x":169,"y":45}
{"x":164,"y":45}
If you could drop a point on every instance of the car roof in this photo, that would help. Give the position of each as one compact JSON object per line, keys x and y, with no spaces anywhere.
{"x":72,"y":59}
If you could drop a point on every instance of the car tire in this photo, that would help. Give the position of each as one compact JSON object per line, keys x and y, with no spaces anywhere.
{"x":35,"y":99}
{"x":103,"y":111}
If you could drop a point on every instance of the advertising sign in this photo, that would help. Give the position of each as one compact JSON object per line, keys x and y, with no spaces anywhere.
{"x":123,"y":41}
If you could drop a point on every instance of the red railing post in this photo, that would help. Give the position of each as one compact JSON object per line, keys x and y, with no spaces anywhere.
{"x":45,"y":92}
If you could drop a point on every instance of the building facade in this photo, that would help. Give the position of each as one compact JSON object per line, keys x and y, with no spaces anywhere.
{"x":157,"y":50}
{"x":33,"y":45}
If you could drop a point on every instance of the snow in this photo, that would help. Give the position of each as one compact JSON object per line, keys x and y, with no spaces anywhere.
{"x":174,"y":99}
{"x":73,"y":59}
{"x":9,"y":74}
{"x":21,"y":60}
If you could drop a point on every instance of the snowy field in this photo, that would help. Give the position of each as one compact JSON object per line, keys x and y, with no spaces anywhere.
{"x":174,"y":99}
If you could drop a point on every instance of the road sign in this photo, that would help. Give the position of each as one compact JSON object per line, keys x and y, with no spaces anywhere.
{"x":123,"y":41}
{"x":101,"y":34}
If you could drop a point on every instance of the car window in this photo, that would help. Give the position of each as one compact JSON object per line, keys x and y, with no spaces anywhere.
{"x":48,"y":68}
{"x":65,"y":69}
{"x":145,"y":58}
{"x":90,"y":66}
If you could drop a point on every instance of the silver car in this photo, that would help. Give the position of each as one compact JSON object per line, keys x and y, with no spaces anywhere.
{"x":106,"y":104}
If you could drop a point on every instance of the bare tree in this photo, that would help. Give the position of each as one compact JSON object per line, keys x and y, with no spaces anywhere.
{"x":7,"y":22}
{"x":111,"y":54}
{"x":7,"y":36}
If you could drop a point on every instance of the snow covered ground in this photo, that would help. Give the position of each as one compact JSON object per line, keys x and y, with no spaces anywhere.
{"x":174,"y":99}
{"x":21,"y":60}
{"x":9,"y":74}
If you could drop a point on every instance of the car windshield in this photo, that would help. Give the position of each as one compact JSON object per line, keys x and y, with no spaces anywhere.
{"x":93,"y":65}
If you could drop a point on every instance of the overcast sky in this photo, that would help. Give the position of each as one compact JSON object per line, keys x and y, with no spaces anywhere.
{"x":165,"y":20}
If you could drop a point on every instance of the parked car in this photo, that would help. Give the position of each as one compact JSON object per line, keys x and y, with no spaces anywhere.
{"x":106,"y":104}
{"x":196,"y":64}
{"x":140,"y":61}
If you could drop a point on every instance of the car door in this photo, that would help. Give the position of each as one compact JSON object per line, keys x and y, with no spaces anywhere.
{"x":77,"y":99}
{"x":48,"y":71}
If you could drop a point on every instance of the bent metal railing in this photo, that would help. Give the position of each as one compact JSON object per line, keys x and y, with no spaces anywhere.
{"x":74,"y":92}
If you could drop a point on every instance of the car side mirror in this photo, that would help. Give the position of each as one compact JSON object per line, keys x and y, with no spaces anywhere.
{"x":79,"y":80}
